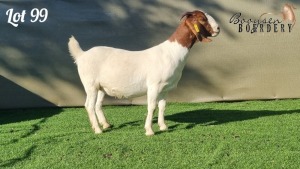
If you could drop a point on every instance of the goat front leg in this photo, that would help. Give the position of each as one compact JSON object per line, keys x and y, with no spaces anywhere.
{"x":161,"y":111}
{"x":90,"y":104}
{"x":151,"y":99}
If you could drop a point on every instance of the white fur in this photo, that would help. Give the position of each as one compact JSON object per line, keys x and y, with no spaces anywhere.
{"x":126,"y":74}
{"x":213,"y":24}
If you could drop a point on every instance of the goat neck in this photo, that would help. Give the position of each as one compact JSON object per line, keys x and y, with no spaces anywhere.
{"x":184,"y":36}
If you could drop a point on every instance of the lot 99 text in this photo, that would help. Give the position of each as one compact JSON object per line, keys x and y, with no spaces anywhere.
{"x":37,"y":15}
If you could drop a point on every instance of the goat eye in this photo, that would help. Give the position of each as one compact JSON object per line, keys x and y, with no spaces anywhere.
{"x":202,"y":20}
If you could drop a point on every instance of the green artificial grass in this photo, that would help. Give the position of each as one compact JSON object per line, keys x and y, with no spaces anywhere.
{"x":251,"y":134}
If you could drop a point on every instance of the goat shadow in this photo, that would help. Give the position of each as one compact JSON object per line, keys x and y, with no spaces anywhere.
{"x":206,"y":117}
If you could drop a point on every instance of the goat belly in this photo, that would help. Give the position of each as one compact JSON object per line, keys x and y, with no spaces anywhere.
{"x":125,"y":92}
{"x":122,"y":83}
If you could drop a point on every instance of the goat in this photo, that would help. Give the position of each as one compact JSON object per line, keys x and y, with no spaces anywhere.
{"x":127,"y":74}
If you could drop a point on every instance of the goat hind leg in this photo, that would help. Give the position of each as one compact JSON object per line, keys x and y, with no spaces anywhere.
{"x":101,"y":117}
{"x":90,"y":104}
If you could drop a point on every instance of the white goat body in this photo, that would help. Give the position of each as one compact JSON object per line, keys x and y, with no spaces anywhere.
{"x":126,"y":74}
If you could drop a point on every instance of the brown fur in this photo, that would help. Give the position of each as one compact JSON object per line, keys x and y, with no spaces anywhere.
{"x":186,"y":34}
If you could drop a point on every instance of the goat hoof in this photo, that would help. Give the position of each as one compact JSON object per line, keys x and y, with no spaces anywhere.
{"x":149,"y":133}
{"x":163,"y":128}
{"x":98,"y":131}
{"x":106,"y":126}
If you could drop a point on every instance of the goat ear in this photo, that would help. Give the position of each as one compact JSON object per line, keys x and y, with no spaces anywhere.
{"x":197,"y":31}
{"x":193,"y":27}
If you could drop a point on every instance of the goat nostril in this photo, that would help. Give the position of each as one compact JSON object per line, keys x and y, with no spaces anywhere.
{"x":218,"y":28}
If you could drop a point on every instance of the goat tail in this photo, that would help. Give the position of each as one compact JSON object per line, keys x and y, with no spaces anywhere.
{"x":74,"y":48}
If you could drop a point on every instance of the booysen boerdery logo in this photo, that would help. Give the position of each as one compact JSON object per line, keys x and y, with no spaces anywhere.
{"x":267,"y":22}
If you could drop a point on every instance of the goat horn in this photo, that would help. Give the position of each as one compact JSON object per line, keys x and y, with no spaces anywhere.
{"x":186,"y":14}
